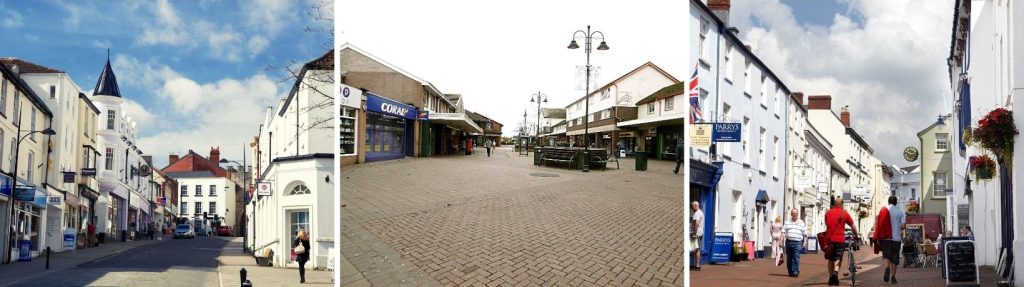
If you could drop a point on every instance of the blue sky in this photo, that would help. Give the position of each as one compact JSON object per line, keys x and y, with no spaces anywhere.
{"x":862,"y":53}
{"x":191,"y":69}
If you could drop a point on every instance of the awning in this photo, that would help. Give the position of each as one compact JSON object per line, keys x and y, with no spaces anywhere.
{"x":30,"y":194}
{"x":456,"y":120}
{"x":762,"y":196}
{"x":600,"y":129}
{"x":671,"y":119}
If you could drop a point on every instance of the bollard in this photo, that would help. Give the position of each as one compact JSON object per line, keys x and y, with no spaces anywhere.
{"x":47,"y":257}
{"x":242,"y":274}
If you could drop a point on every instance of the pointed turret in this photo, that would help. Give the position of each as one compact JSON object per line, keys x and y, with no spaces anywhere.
{"x":107,"y":83}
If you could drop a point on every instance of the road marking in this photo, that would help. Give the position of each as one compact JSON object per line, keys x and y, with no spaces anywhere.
{"x":220,"y":277}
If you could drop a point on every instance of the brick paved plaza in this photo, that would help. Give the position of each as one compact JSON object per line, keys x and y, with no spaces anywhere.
{"x":501,"y":221}
{"x":763,"y":272}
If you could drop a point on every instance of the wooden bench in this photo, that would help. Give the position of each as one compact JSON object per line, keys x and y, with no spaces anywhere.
{"x":599,"y":157}
{"x":558,"y":155}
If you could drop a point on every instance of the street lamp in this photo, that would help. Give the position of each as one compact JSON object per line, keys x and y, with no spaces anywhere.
{"x":538,"y":100}
{"x":588,"y":38}
{"x":245,"y":182}
{"x":525,"y":133}
{"x":17,"y":152}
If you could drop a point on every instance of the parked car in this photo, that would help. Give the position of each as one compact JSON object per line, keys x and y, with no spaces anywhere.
{"x":224,"y":231}
{"x":184,"y":231}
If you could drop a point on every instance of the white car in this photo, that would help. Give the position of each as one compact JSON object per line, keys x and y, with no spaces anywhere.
{"x":184,"y":231}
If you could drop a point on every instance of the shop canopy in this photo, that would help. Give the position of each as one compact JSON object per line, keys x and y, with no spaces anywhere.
{"x":29,"y":193}
{"x":456,"y":120}
{"x":762,"y":196}
{"x":662,"y":120}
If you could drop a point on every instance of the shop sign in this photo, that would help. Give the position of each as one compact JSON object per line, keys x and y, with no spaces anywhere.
{"x":626,"y":134}
{"x":350,"y":97}
{"x":726,"y":132}
{"x":5,"y":184}
{"x":69,"y":239}
{"x":69,"y":176}
{"x":31,"y":195}
{"x":424,"y":115}
{"x":89,"y":171}
{"x":263,"y":188}
{"x":382,"y":105}
{"x":700,"y":135}
{"x":54,"y":200}
{"x":721,"y":247}
{"x":802,"y":181}
{"x":24,"y":250}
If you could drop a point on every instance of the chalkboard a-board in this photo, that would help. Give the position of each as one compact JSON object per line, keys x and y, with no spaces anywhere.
{"x":959,"y":262}
{"x":915,"y":232}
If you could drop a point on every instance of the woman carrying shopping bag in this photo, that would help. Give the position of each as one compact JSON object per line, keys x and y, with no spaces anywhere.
{"x":300,"y":253}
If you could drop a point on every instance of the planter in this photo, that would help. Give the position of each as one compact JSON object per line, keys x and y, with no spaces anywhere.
{"x":996,"y":132}
{"x":986,"y":174}
{"x":742,"y":257}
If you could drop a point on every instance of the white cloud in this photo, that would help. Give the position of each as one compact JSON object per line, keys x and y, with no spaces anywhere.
{"x":257,"y":44}
{"x":221,"y":41}
{"x":139,"y":114}
{"x":895,"y":56}
{"x":12,"y":19}
{"x":269,"y":15}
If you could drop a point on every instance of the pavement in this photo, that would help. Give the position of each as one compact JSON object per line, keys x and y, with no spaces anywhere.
{"x":501,"y":221}
{"x":763,"y":272}
{"x":203,"y":261}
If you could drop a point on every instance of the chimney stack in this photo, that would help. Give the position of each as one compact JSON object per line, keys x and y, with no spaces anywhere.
{"x":171,"y":159}
{"x":215,"y":155}
{"x":819,"y":102}
{"x":844,"y":116}
{"x":799,"y":98}
{"x":721,"y":9}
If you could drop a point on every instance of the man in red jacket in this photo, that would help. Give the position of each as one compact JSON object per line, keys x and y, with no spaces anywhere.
{"x":835,"y":219}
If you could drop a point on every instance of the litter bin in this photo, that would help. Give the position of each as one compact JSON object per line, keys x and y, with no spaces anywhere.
{"x":102,"y":237}
{"x":641,"y":160}
{"x":536,"y":156}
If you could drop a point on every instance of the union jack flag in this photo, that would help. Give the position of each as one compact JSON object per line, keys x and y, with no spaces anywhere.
{"x":695,"y":114}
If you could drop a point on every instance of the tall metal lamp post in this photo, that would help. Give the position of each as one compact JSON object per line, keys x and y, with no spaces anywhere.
{"x":525,"y":133}
{"x":588,"y":38}
{"x":245,"y":183}
{"x":537,"y":96}
{"x":10,"y":212}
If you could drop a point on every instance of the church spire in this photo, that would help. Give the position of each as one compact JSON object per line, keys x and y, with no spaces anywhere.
{"x":106,"y":85}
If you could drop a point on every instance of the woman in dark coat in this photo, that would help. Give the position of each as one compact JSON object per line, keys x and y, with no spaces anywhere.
{"x":301,"y":257}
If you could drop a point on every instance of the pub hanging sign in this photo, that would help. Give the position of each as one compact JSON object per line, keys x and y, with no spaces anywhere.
{"x":69,"y":176}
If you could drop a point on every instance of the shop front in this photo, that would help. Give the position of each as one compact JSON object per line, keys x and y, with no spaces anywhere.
{"x":29,"y":209}
{"x":6,"y":198}
{"x":348,"y":124}
{"x":704,"y":178}
{"x":389,"y":129}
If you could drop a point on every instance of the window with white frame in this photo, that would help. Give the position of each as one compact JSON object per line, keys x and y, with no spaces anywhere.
{"x":184,"y":190}
{"x":669,"y":103}
{"x":702,"y":97}
{"x":3,"y":97}
{"x":650,"y":108}
{"x":213,"y":207}
{"x":726,"y":112}
{"x":33,"y":124}
{"x":31,"y":167}
{"x":746,"y":76}
{"x":199,"y":207}
{"x":941,"y":183}
{"x":764,"y":91}
{"x":762,"y":146}
{"x":199,"y":190}
{"x":213,"y":190}
{"x":53,"y":91}
{"x":775,"y":157}
{"x":184,"y":208}
{"x":745,"y":139}
{"x":111,"y":115}
{"x":728,"y":62}
{"x":590,"y":118}
{"x":17,"y":108}
{"x":109,"y":159}
{"x":606,"y":114}
{"x":703,"y":45}
{"x":299,"y":190}
{"x":941,"y":141}
{"x":776,"y":100}
{"x":605,"y":94}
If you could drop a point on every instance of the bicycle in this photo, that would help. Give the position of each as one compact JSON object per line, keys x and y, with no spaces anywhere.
{"x":853,"y":262}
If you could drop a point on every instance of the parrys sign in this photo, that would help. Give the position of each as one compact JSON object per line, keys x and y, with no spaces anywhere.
{"x":350,"y":96}
{"x":389,"y":107}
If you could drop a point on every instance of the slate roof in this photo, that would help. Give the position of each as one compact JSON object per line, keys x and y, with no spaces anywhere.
{"x":29,"y":67}
{"x":323,"y":63}
{"x":668,"y":91}
{"x":24,"y":87}
{"x":106,"y":85}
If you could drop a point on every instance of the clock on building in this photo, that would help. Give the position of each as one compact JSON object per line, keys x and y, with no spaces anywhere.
{"x":910,"y":154}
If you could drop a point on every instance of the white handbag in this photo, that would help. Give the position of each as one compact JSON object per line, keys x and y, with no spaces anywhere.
{"x":300,"y":249}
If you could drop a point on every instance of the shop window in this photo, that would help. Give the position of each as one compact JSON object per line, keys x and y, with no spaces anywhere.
{"x":347,"y":131}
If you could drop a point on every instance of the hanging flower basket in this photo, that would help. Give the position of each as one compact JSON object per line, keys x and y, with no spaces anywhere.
{"x":995,"y":132}
{"x":983,"y":166}
{"x":913,"y":207}
{"x":862,"y":214}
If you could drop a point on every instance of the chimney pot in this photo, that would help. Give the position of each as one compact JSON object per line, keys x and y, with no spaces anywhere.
{"x":844,"y":116}
{"x":171,"y":159}
{"x":721,"y":9}
{"x":799,"y":98}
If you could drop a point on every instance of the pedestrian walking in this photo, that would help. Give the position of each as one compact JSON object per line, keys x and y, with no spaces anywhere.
{"x":795,"y":231}
{"x":897,"y":223}
{"x":696,"y":233}
{"x":835,"y":236}
{"x":300,"y":247}
{"x":679,"y":155}
{"x":776,"y":231}
{"x":92,"y":232}
{"x":489,"y":144}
